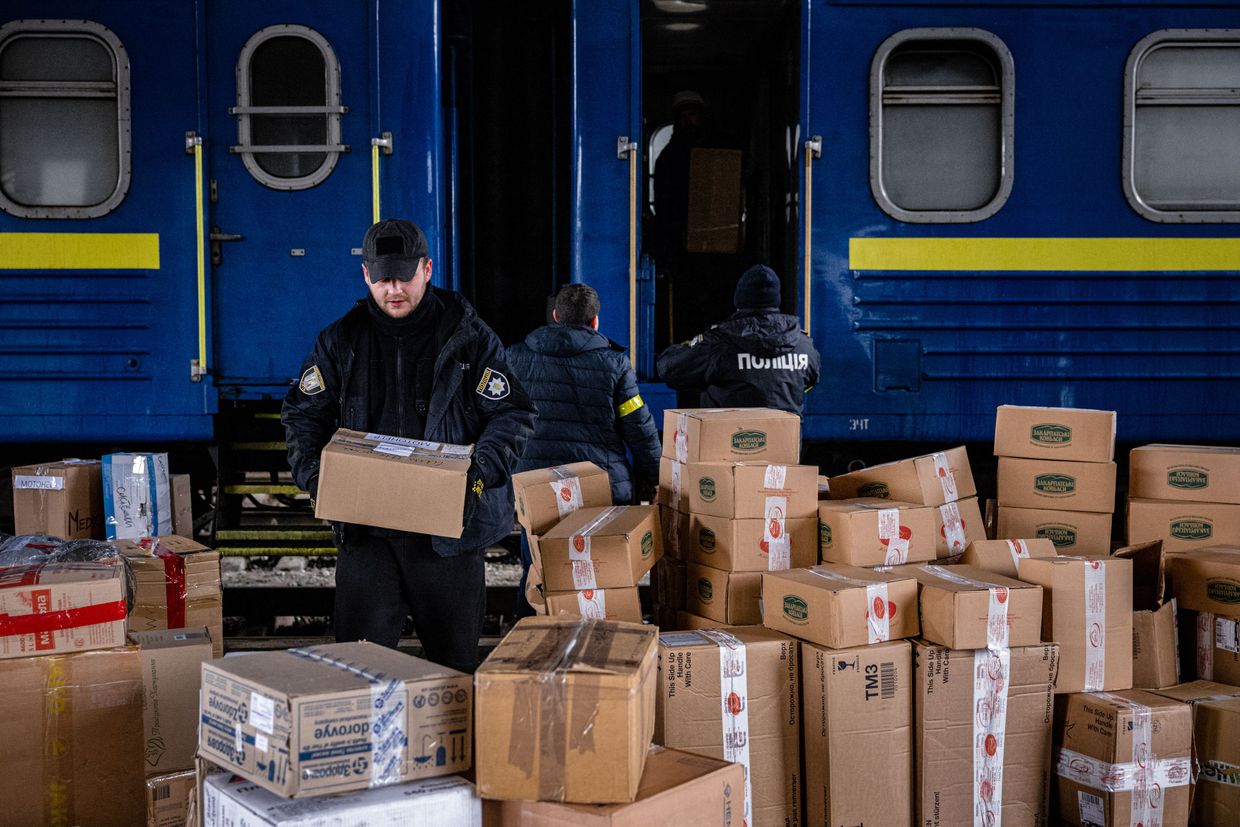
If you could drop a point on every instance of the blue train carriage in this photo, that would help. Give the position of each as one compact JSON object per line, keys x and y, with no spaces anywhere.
{"x":183,"y":188}
{"x":1021,"y":203}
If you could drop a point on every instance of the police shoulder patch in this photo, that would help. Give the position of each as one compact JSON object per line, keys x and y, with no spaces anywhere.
{"x":493,"y":384}
{"x":312,"y":381}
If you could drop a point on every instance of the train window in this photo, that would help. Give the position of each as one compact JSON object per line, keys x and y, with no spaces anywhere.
{"x":64,"y":119}
{"x":288,"y":107}
{"x":941,"y":125}
{"x":1181,"y":122}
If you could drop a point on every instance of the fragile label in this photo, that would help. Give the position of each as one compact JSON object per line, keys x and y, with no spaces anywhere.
{"x":1095,"y":625}
{"x":946,"y":479}
{"x":1018,"y":550}
{"x":567,"y":495}
{"x":889,"y":535}
{"x":680,"y":438}
{"x":877,"y":613}
{"x":775,"y":540}
{"x":775,"y":477}
{"x":592,"y":603}
{"x":953,"y":527}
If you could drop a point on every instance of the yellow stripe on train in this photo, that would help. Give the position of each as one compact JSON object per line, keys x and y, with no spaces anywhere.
{"x":1045,"y":254}
{"x":79,"y":251}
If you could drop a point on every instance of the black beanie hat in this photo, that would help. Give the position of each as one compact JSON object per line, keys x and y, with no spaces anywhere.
{"x":758,"y":287}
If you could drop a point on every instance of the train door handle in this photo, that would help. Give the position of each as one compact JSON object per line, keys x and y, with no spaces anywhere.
{"x":217,"y":238}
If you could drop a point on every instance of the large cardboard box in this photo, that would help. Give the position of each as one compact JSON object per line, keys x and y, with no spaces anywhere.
{"x":182,"y":505}
{"x":71,"y":726}
{"x":1216,"y":743}
{"x":731,"y":434}
{"x":1198,"y":473}
{"x":1074,"y":434}
{"x":983,"y":734}
{"x":753,"y":545}
{"x":1102,"y":742}
{"x":716,"y":201}
{"x":873,"y":532}
{"x":676,"y":788}
{"x":620,"y":603}
{"x":392,"y":482}
{"x":840,"y":606}
{"x":565,"y":711}
{"x":1155,"y":634}
{"x":932,"y":479}
{"x":61,"y":607}
{"x":137,"y":496}
{"x":1183,"y":526}
{"x":667,"y":582}
{"x":1005,"y":556}
{"x":1087,"y":610}
{"x":601,"y":548}
{"x":730,"y":597}
{"x":733,"y":694}
{"x":1218,"y":647}
{"x":176,"y":585}
{"x":446,"y":802}
{"x":673,"y":485}
{"x":752,"y":490}
{"x":958,"y":523}
{"x":62,"y":499}
{"x":1057,"y":484}
{"x":547,"y":495}
{"x":167,"y":798}
{"x":171,"y":672}
{"x":330,"y":719}
{"x":675,"y":527}
{"x":967,"y":608}
{"x":858,"y":733}
{"x":1195,"y":692}
{"x":1208,"y":580}
{"x":1072,"y":532}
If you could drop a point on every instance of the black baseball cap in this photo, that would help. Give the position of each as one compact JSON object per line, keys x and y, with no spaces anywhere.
{"x":392,"y":249}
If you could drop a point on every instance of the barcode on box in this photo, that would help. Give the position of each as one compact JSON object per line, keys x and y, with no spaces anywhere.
{"x":163,"y":791}
{"x":887,"y":680}
{"x":1093,"y":814}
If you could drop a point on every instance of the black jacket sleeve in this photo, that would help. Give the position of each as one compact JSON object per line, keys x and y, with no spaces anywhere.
{"x":638,"y":429}
{"x":311,"y":411}
{"x":686,"y":366}
{"x":508,"y":422}
{"x":815,"y":365}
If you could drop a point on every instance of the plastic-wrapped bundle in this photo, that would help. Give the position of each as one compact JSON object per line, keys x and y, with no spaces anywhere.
{"x":44,"y":550}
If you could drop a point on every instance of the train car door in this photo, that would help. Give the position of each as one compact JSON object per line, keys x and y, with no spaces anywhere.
{"x":297,"y":92}
{"x":98,"y":289}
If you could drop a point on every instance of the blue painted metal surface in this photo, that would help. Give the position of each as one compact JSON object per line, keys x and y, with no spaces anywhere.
{"x":1163,"y":349}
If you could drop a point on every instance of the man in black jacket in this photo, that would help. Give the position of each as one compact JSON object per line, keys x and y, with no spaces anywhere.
{"x":414,"y":361}
{"x":589,"y":408}
{"x":757,"y":358}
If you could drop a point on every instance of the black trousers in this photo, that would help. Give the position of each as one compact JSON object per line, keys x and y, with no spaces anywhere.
{"x":382,"y":580}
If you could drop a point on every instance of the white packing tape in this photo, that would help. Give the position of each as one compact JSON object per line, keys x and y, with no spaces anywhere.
{"x":579,"y":548}
{"x":734,"y":706}
{"x":878,"y":605}
{"x":1019,"y":551}
{"x":592,"y":603}
{"x":680,"y":438}
{"x":775,"y":539}
{"x":38,"y":481}
{"x":676,"y":486}
{"x":997,"y":608}
{"x":1095,"y":625}
{"x":947,"y":480}
{"x":1205,"y":646}
{"x":1226,"y":635}
{"x":775,"y":477}
{"x":953,"y":528}
{"x":567,"y":492}
{"x":1219,"y":772}
{"x":889,"y":536}
{"x":991,"y":677}
{"x":1124,"y":777}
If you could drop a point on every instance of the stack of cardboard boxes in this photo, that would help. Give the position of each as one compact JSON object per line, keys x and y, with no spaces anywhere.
{"x":1188,"y":496}
{"x":1057,"y":476}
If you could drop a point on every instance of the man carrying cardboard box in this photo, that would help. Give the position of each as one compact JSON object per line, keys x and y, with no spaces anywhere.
{"x":412,"y":361}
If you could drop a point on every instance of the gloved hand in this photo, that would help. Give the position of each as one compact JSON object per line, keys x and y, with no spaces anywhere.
{"x":474,"y":486}
{"x":312,"y":488}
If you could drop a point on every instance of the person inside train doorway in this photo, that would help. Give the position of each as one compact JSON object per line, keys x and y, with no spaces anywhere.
{"x":412,"y":360}
{"x":589,"y":408}
{"x":671,"y":174}
{"x":759,"y":357}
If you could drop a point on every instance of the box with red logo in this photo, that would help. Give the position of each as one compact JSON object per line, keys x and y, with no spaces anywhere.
{"x":1123,"y":758}
{"x":176,"y":584}
{"x":731,"y":597}
{"x":61,"y":607}
{"x":958,"y":524}
{"x":731,"y":434}
{"x":545,"y":496}
{"x":601,"y":548}
{"x":1005,"y":556}
{"x":932,"y":479}
{"x":753,"y":545}
{"x":968,"y":608}
{"x":733,"y":694}
{"x":597,"y":604}
{"x":875,"y":532}
{"x":754,"y":490}
{"x":840,"y":606}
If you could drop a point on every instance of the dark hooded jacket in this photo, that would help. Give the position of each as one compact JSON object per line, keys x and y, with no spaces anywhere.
{"x":588,"y":406}
{"x":757,"y":358}
{"x":474,"y":399}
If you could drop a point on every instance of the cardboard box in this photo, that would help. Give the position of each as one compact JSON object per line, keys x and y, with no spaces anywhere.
{"x":667,"y":583}
{"x":182,"y":505}
{"x":137,"y":496}
{"x":1057,"y":484}
{"x":858,"y":729}
{"x":375,"y":480}
{"x":61,"y":607}
{"x":1101,"y":741}
{"x":733,"y":598}
{"x":675,"y":526}
{"x":1005,"y":556}
{"x":840,"y":606}
{"x":330,"y":719}
{"x":1195,"y":692}
{"x":932,"y":479}
{"x":203,"y":769}
{"x":62,"y":499}
{"x":597,"y":604}
{"x":71,"y":726}
{"x":688,"y":621}
{"x":1074,"y":434}
{"x":716,"y":201}
{"x":167,"y":798}
{"x":958,"y":524}
{"x":1087,"y":610}
{"x":1155,"y":634}
{"x":731,"y":434}
{"x":176,"y":585}
{"x":1208,"y":580}
{"x":676,"y":788}
{"x":960,"y":754}
{"x":753,"y":545}
{"x":171,"y":671}
{"x":1183,"y":526}
{"x":967,"y":608}
{"x":547,"y":495}
{"x":1216,"y":743}
{"x":581,"y":737}
{"x":1217,"y":647}
{"x":733,"y":694}
{"x":1072,"y":532}
{"x":874,"y":532}
{"x":673,"y":488}
{"x":1198,"y":473}
{"x":451,"y":802}
{"x":757,"y":490}
{"x":601,"y":548}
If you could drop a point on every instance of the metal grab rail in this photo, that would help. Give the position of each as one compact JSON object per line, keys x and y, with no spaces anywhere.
{"x":813,"y":151}
{"x":198,"y":367}
{"x":626,"y":149}
{"x":384,"y":141}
